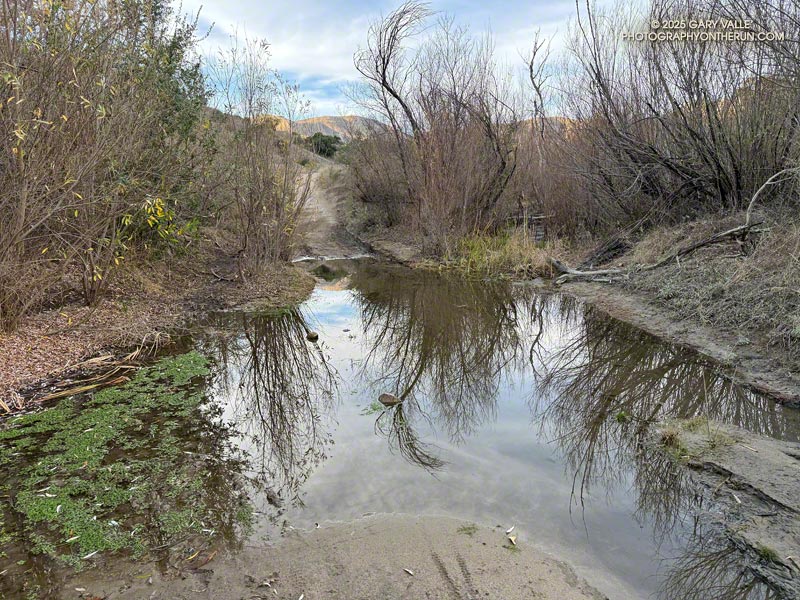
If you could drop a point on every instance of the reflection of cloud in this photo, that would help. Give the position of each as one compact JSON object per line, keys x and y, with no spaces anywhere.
{"x":328,"y":310}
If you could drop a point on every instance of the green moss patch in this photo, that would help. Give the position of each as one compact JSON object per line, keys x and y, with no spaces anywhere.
{"x":129,"y":469}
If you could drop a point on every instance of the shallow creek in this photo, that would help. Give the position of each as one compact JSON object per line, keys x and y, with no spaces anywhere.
{"x":519,"y":408}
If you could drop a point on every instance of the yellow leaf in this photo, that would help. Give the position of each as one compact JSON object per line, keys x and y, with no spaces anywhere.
{"x":76,"y":212}
{"x":44,"y":251}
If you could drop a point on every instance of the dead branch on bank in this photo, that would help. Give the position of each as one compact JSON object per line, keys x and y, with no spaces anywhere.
{"x":738,"y":234}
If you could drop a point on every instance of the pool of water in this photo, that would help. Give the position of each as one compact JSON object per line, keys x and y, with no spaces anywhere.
{"x":519,"y":408}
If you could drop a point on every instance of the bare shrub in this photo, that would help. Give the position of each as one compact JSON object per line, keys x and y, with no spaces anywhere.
{"x":452,"y":116}
{"x":265,"y":185}
{"x":671,"y":130}
{"x":99,"y":98}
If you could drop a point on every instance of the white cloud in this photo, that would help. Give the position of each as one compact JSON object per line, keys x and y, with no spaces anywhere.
{"x":314,"y":40}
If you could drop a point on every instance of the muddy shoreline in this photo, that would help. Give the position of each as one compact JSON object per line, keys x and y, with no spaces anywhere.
{"x":372,"y":558}
{"x":751,"y":362}
{"x":751,"y":493}
{"x":62,"y":346}
{"x":455,"y":559}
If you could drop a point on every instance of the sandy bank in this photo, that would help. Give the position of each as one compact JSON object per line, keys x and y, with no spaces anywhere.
{"x":363,"y":560}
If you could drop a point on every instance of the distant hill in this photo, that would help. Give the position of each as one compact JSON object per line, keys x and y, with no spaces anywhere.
{"x":345,"y":127}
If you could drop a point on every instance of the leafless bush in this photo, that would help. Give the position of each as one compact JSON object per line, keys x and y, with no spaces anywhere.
{"x":669,"y":130}
{"x":98,"y":98}
{"x":453,"y":117}
{"x":266,"y":186}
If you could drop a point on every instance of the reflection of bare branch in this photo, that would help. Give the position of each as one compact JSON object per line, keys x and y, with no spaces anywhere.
{"x":712,"y":569}
{"x":280,"y":386}
{"x":440,"y":340}
{"x":393,"y":424}
{"x":604,"y":388}
{"x":599,"y":396}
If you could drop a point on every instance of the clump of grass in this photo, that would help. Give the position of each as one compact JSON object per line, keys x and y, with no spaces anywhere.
{"x":671,"y":440}
{"x":469,"y":530}
{"x":717,"y":439}
{"x":766,"y":553}
{"x":513,"y":253}
{"x":696,"y":423}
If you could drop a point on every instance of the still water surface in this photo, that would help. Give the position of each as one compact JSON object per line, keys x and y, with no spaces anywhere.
{"x":520,"y":408}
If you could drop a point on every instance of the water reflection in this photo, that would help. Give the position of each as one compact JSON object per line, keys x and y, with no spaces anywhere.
{"x":444,"y":345}
{"x":441,"y":344}
{"x":713,"y":568}
{"x":523,"y":404}
{"x":278,"y":389}
{"x":609,"y":382}
{"x":143,"y":469}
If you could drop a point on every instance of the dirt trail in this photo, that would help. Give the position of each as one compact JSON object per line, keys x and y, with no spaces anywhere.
{"x":364,"y":560}
{"x":320,"y":223}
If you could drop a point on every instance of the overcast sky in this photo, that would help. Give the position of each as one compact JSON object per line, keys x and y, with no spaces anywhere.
{"x":313,"y":41}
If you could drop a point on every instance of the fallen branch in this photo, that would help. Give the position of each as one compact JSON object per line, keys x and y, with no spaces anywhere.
{"x":739,"y":234}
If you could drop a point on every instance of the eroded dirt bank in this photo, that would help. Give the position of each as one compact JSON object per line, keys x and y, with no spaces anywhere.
{"x":144,"y":305}
{"x":368,"y":559}
{"x":751,"y":490}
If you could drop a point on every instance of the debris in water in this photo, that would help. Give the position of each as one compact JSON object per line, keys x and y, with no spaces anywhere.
{"x":409,"y":571}
{"x":193,"y":556}
{"x":90,"y":555}
{"x":510,"y":529}
{"x":512,"y":539}
{"x":312,"y":336}
{"x":389,"y":399}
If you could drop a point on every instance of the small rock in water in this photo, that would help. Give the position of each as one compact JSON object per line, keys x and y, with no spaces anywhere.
{"x":312,"y":336}
{"x":389,"y":399}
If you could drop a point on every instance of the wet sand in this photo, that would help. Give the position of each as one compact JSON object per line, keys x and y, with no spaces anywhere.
{"x":362,"y":560}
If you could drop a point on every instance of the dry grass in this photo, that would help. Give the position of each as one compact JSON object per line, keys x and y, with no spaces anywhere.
{"x":661,"y":241}
{"x":513,"y":253}
{"x":755,"y":295}
{"x":146,"y":298}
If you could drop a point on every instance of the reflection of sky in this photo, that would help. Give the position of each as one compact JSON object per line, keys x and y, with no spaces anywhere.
{"x":508,"y":471}
{"x":327,"y":309}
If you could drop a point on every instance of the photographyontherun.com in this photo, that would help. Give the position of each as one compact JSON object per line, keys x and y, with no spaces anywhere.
{"x":702,"y":30}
